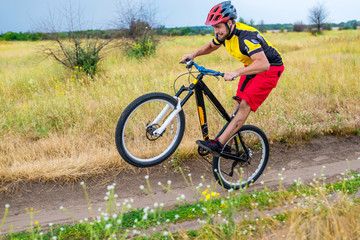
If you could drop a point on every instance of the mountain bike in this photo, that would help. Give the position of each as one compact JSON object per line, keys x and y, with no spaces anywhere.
{"x":151,"y":128}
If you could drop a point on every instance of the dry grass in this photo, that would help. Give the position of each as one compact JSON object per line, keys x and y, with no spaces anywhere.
{"x":320,"y":220}
{"x":318,"y":217}
{"x":57,"y":124}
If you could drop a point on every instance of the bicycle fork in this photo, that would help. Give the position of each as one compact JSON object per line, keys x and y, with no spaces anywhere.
{"x":161,"y":130}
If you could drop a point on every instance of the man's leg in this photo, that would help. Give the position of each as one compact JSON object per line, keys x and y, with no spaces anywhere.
{"x":236,"y":123}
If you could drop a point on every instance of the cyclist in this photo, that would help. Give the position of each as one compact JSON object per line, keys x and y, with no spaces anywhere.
{"x":263,"y":66}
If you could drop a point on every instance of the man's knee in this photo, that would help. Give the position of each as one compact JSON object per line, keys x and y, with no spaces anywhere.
{"x":244,"y":106}
{"x":243,"y":111}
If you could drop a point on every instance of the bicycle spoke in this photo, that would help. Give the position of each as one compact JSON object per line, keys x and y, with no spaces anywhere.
{"x":140,"y":139}
{"x":244,"y":172}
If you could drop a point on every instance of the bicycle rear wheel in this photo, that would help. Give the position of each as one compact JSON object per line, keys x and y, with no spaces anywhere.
{"x":254,"y":152}
{"x":135,"y":135}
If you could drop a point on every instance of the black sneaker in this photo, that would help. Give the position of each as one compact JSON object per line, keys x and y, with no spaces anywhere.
{"x":213,"y":146}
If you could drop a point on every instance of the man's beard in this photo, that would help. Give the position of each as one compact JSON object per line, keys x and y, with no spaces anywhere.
{"x":223,"y":38}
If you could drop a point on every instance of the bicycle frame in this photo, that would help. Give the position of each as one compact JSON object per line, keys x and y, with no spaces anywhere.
{"x":200,"y":89}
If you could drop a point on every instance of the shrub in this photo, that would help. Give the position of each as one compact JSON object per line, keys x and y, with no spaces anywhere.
{"x":78,"y":52}
{"x":142,"y":47}
{"x":142,"y":42}
{"x":299,"y":27}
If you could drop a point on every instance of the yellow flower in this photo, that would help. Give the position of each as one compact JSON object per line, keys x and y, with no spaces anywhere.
{"x":205,"y":192}
{"x":229,"y":89}
{"x":72,"y":80}
{"x":31,"y":209}
{"x":57,"y":86}
{"x":36,"y":223}
{"x":329,"y":60}
{"x":213,"y":194}
{"x":63,"y":85}
{"x":80,"y":68}
{"x":207,"y":197}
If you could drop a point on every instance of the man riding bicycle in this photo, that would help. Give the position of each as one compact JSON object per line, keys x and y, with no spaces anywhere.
{"x":263,"y":66}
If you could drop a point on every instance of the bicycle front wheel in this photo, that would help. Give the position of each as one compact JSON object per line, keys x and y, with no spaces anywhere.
{"x":249,"y":144}
{"x":136,"y":138}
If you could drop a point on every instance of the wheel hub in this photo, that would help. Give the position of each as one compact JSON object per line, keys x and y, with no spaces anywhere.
{"x":150,"y":129}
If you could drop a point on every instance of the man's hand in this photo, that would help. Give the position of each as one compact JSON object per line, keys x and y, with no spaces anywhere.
{"x":186,"y":57}
{"x":231,"y":76}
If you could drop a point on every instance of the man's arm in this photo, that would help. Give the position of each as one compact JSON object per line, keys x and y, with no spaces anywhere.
{"x":206,"y":49}
{"x":260,"y":64}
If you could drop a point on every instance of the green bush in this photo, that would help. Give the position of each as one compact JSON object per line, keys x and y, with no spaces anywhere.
{"x":142,"y":47}
{"x":79,"y":52}
{"x":84,"y":58}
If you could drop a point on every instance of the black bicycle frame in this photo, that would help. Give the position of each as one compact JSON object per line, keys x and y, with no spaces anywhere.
{"x":200,"y":89}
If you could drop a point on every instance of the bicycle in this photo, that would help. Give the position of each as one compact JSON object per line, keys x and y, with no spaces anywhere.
{"x":151,"y":128}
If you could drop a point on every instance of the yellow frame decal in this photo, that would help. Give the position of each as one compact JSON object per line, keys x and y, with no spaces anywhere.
{"x":201,"y":115}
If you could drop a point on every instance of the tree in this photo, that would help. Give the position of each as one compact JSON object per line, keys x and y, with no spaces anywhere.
{"x":355,"y":25}
{"x":135,"y":17}
{"x":318,"y":15}
{"x":72,"y":46}
{"x":252,"y":22}
{"x":242,"y":20}
{"x":262,"y":26}
{"x":137,"y":20}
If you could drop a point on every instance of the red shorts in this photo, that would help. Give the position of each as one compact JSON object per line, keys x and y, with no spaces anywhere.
{"x":254,"y":89}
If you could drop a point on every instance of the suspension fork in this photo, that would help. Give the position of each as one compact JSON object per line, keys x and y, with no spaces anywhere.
{"x":178,"y":108}
{"x":161,"y":130}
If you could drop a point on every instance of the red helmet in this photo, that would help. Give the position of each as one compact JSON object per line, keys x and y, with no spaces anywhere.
{"x":221,"y":12}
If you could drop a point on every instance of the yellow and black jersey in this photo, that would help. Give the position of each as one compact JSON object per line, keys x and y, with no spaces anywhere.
{"x":245,"y":41}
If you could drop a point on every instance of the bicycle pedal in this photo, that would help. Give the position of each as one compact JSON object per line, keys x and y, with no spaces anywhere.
{"x":202,"y":151}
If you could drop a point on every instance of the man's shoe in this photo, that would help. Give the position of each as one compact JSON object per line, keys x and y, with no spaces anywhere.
{"x":213,"y":146}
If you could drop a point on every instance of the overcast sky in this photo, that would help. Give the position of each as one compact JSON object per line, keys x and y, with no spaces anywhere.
{"x":24,"y":15}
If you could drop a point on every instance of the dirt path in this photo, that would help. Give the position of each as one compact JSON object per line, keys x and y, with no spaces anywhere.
{"x":299,"y":161}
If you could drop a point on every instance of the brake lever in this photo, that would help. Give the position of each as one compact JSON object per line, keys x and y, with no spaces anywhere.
{"x":189,"y":63}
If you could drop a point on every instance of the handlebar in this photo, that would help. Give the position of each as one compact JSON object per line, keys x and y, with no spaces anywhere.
{"x":202,"y":70}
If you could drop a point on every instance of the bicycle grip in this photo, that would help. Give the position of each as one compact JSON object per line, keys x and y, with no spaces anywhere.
{"x":223,"y":74}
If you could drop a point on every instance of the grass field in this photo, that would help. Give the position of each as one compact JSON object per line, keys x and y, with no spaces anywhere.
{"x":314,"y":211}
{"x":59,"y":125}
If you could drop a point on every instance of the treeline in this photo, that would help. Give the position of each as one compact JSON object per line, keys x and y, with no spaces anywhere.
{"x":105,"y":34}
{"x":179,"y":31}
{"x":353,"y":24}
{"x":28,"y":36}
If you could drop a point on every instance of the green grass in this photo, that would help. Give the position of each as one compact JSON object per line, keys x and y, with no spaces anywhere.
{"x":217,"y":215}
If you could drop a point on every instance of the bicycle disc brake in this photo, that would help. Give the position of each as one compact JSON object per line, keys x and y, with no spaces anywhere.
{"x":150,"y":132}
